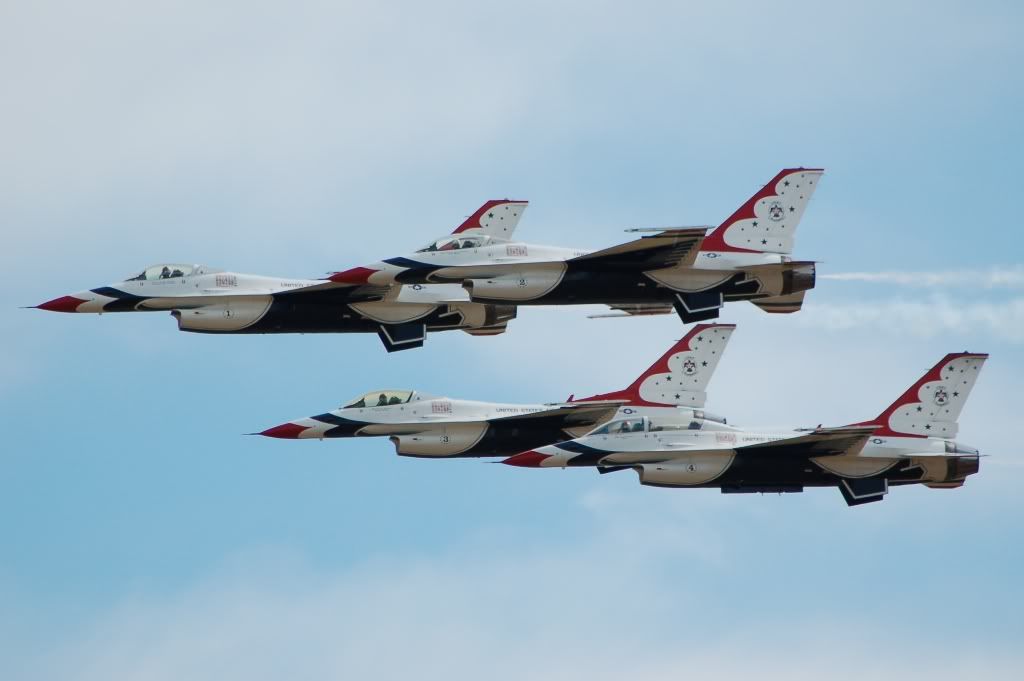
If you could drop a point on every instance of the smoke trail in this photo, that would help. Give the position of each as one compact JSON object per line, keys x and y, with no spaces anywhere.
{"x":995,"y":277}
{"x":1003,"y":320}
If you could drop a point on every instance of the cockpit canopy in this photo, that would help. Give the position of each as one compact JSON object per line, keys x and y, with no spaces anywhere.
{"x":455,"y":242}
{"x":380,"y":398}
{"x":621,"y":427}
{"x":163,"y":272}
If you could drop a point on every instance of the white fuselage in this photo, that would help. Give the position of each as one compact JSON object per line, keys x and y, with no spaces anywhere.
{"x":213,"y":300}
{"x":520,"y":273}
{"x":200,"y":288}
{"x":710,"y":450}
{"x":496,"y":256}
{"x":426,"y":411}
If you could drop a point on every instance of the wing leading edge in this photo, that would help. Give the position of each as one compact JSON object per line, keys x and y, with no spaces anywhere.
{"x":670,"y":248}
{"x":565,"y":415}
{"x":846,"y":440}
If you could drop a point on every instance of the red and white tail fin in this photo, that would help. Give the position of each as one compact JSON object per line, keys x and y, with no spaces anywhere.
{"x":931,"y":407}
{"x":680,"y":377}
{"x":497,"y":218}
{"x":767,"y":222}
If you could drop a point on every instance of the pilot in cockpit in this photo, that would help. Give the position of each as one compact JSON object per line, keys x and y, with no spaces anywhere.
{"x":165,"y":273}
{"x":382,"y":401}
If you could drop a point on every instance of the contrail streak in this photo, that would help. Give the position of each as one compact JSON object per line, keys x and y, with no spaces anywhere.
{"x":995,"y":277}
{"x":1003,"y":320}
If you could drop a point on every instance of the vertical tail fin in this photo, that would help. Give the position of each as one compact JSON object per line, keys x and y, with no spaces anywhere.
{"x":786,"y":304}
{"x":681,"y":375}
{"x":497,"y":218}
{"x":767,"y":222}
{"x":931,"y":407}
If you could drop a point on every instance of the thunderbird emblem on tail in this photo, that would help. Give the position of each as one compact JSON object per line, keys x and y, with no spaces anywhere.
{"x":686,"y":269}
{"x":904,"y":445}
{"x":427,"y":426}
{"x":209,"y":300}
{"x":475,"y":278}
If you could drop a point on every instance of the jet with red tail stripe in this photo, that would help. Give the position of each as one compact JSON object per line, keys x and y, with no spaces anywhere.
{"x":911,"y":442}
{"x":209,"y":300}
{"x":748,"y":257}
{"x":428,"y":426}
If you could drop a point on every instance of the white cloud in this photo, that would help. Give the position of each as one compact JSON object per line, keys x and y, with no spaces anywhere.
{"x":139,"y":129}
{"x":195,"y":121}
{"x":994,"y":277}
{"x":936,"y":316}
{"x":600,"y":608}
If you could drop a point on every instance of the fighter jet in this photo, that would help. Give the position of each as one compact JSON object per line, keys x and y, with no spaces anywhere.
{"x":748,"y":257}
{"x":210,"y":300}
{"x":427,"y":426}
{"x":911,"y":441}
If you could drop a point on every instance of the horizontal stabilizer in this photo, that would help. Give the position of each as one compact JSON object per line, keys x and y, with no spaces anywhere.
{"x":493,"y":330}
{"x":782,"y":304}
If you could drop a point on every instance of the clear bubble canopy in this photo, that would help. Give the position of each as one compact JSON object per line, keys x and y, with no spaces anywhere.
{"x":167,"y":271}
{"x":456,"y":242}
{"x":380,"y":398}
{"x":172,"y":271}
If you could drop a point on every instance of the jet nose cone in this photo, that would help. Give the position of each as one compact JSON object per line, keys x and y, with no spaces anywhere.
{"x":285,"y":431}
{"x":355,"y":276}
{"x":530,"y":459}
{"x":62,"y":304}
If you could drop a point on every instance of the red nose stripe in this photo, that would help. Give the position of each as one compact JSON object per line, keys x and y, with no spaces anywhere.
{"x":62,"y":304}
{"x":356,"y":275}
{"x":285,"y":431}
{"x":530,"y":459}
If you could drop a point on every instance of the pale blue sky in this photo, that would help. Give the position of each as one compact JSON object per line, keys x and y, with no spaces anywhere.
{"x":145,"y":536}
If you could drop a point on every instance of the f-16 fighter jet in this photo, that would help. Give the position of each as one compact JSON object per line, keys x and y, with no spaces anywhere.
{"x":748,"y":257}
{"x":210,"y":300}
{"x":910,"y":442}
{"x":427,"y":426}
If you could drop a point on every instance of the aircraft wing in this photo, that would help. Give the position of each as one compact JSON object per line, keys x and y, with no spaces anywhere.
{"x":849,"y":440}
{"x":668,"y":248}
{"x":558,"y":417}
{"x":820,"y":442}
{"x":343,"y":292}
{"x":566,"y":415}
